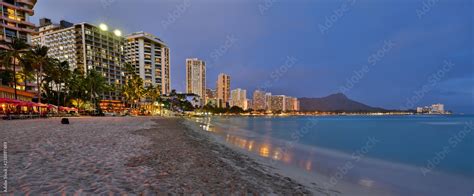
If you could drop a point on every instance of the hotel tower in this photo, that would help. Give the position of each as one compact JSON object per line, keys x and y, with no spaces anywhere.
{"x":223,"y":90}
{"x":196,"y":78}
{"x":16,"y":20}
{"x":150,"y":57}
{"x":86,"y":47}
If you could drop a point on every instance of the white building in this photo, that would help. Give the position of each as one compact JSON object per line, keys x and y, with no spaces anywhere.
{"x":268,"y":101}
{"x":86,"y":47}
{"x":196,"y":78}
{"x":437,"y":108}
{"x":60,"y":39}
{"x":239,"y":98}
{"x":150,"y":57}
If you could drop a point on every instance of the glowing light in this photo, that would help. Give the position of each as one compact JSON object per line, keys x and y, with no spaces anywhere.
{"x":264,"y":150}
{"x":118,"y":33}
{"x":103,"y":27}
{"x":250,"y":147}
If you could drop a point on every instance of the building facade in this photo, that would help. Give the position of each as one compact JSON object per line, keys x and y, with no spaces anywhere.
{"x":258,"y":103}
{"x":16,"y":20}
{"x":149,"y":55}
{"x":196,"y":77}
{"x":87,"y":47}
{"x":268,"y":101}
{"x":292,"y":104}
{"x":238,"y":97}
{"x":223,"y":90}
{"x":278,"y":103}
{"x":59,"y":38}
{"x":16,"y":24}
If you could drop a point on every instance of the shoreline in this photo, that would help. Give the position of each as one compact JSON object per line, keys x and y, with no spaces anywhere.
{"x":368,"y":178}
{"x":207,"y":167}
{"x":270,"y":168}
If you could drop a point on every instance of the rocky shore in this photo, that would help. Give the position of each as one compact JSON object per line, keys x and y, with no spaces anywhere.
{"x":121,"y":155}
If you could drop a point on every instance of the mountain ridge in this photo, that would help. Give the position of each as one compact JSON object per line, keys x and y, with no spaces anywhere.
{"x":337,"y":102}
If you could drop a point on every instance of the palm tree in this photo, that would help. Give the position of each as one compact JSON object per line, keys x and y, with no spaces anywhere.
{"x":153,"y":93}
{"x":63,"y":76}
{"x":38,"y":57}
{"x":96,"y":85}
{"x":16,"y":48}
{"x":133,"y":89}
{"x":77,"y":90}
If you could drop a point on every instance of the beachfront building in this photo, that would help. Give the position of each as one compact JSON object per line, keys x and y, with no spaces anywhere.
{"x":223,"y":90}
{"x":9,"y":93}
{"x":268,"y":101}
{"x":59,"y":38}
{"x":278,"y":103}
{"x":149,"y":56}
{"x":238,"y":97}
{"x":196,"y":78}
{"x":437,"y":108}
{"x":258,"y":100}
{"x":291,"y":104}
{"x":16,"y":20}
{"x":16,"y":24}
{"x":433,"y":109}
{"x":86,"y":47}
{"x":211,"y":97}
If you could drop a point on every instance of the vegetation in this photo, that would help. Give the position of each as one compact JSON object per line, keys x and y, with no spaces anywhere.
{"x":11,"y":58}
{"x":61,"y":85}
{"x":57,"y":84}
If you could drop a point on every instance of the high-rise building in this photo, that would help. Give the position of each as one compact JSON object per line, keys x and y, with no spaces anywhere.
{"x":258,"y":100}
{"x":223,"y":90}
{"x":16,"y":20}
{"x":16,"y":24}
{"x":86,"y":47}
{"x":296,"y":104}
{"x":196,"y":78}
{"x":278,"y":103}
{"x":291,"y":104}
{"x":59,"y":38}
{"x":149,"y":55}
{"x":268,"y":101}
{"x":239,"y":98}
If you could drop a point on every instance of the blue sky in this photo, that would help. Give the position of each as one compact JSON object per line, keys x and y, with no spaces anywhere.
{"x":387,"y":53}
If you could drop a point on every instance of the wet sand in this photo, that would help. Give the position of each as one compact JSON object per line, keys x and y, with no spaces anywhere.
{"x":139,"y":155}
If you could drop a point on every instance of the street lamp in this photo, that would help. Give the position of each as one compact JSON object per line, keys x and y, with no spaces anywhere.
{"x":103,"y":27}
{"x":118,"y":33}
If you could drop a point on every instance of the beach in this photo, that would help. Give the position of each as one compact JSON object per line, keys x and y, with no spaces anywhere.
{"x":133,"y":155}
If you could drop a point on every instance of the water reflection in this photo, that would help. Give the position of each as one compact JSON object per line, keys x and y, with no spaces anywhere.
{"x":367,"y":175}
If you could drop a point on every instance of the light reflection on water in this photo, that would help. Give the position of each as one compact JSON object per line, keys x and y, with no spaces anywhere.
{"x":262,"y":147}
{"x":376,"y":178}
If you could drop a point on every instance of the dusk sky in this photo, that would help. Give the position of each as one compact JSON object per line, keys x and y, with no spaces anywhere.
{"x":382,"y":53}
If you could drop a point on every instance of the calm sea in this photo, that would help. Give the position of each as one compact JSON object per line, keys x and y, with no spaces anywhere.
{"x":372,"y":155}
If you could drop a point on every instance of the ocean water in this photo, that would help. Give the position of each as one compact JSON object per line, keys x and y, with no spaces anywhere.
{"x":362,"y":155}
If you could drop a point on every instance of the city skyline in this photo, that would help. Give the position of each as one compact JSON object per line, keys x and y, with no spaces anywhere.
{"x":398,"y":75}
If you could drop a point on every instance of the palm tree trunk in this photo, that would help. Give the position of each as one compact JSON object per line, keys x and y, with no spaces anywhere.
{"x":59,"y":92}
{"x":24,"y":79}
{"x":38,"y":85}
{"x":14,"y":77}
